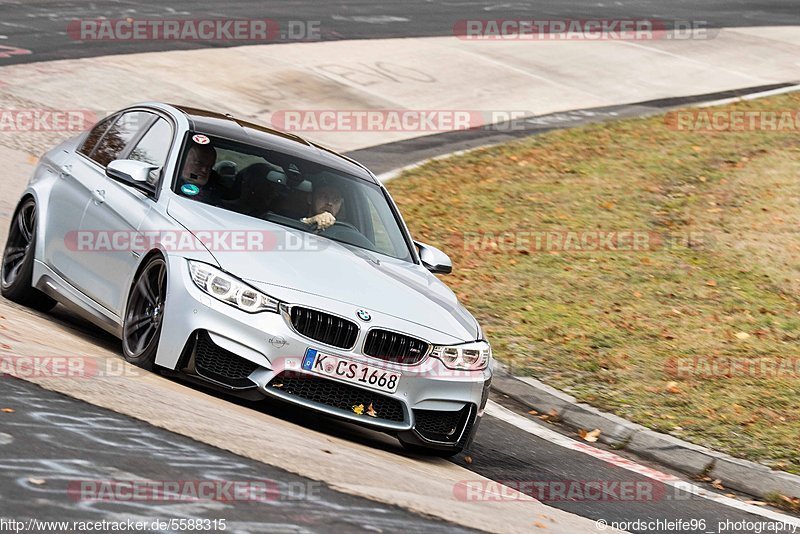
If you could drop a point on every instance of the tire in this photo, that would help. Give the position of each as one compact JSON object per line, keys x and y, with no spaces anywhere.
{"x":16,"y":269}
{"x":141,"y":329}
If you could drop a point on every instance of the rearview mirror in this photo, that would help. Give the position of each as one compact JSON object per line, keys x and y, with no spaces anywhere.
{"x":131,"y":172}
{"x":434,"y":259}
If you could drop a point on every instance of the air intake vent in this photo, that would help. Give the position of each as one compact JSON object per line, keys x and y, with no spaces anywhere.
{"x":338,"y":395}
{"x":216,"y":363}
{"x":394,"y":347}
{"x":325,"y":328}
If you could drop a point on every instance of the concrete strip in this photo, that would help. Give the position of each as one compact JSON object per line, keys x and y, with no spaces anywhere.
{"x":436,"y":73}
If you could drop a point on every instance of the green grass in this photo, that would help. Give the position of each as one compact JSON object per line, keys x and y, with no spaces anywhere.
{"x":609,"y":326}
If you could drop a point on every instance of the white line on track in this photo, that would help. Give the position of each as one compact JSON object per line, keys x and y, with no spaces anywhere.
{"x":523,"y":423}
{"x":687,"y":59}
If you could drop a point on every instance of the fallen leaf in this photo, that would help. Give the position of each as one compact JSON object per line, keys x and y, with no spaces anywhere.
{"x":672,"y":387}
{"x":742,"y":335}
{"x":359,"y":409}
{"x":37,"y":481}
{"x":712,"y":283}
{"x":591,"y":436}
{"x":539,"y":525}
{"x":468,"y":459}
{"x":718,"y":484}
{"x":371,"y":411}
{"x":8,"y":410}
{"x":533,"y":412}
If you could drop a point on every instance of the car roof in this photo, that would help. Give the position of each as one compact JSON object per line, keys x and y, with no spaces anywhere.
{"x":229,"y":127}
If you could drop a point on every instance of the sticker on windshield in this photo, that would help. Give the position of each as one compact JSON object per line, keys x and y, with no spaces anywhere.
{"x":190,"y":190}
{"x":200,"y":139}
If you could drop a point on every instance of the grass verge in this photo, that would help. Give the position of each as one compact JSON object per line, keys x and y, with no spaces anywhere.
{"x":692,"y":325}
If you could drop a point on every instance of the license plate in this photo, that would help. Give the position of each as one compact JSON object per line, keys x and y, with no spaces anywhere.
{"x":349,"y":371}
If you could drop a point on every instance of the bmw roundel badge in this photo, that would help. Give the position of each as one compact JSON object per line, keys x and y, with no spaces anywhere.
{"x":363,"y":315}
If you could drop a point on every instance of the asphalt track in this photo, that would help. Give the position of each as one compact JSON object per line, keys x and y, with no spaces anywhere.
{"x":51,"y":444}
{"x":40,"y":26}
{"x":31,"y":448}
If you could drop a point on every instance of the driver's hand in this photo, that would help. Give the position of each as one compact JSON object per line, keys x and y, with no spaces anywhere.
{"x":322,"y":221}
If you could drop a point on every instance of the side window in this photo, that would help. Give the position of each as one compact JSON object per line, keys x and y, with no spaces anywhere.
{"x":119,"y":135}
{"x":95,"y":134}
{"x":153,"y":147}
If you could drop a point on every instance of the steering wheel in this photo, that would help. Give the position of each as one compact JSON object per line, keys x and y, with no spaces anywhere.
{"x":345,"y":225}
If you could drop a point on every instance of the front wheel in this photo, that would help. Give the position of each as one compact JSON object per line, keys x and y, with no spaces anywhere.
{"x":16,"y":270}
{"x":142,"y":326}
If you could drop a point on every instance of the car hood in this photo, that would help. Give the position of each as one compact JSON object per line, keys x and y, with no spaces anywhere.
{"x":304,"y":262}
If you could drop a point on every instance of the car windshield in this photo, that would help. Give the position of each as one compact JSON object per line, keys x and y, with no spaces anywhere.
{"x":284,"y":189}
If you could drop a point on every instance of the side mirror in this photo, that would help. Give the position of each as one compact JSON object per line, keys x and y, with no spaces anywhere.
{"x":434,"y":259}
{"x":132,"y":172}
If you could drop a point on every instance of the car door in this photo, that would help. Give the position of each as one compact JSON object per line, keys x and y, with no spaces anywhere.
{"x":118,"y":210}
{"x":86,"y":187}
{"x":68,"y":199}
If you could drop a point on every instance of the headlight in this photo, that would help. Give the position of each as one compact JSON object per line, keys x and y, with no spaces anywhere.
{"x":468,"y":357}
{"x":229,"y":290}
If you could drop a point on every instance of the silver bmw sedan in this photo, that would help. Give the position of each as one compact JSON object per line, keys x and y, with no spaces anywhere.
{"x":254,"y":261}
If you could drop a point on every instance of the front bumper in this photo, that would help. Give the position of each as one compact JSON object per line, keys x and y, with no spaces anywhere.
{"x":261,"y":354}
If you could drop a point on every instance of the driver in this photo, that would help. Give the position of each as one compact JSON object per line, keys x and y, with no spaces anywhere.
{"x":326,"y":203}
{"x":194,"y":178}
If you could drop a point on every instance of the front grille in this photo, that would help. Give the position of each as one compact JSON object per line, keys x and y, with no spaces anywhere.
{"x":325,"y":328}
{"x":216,"y":363}
{"x":438,"y":425}
{"x":338,"y":395}
{"x":394,"y":347}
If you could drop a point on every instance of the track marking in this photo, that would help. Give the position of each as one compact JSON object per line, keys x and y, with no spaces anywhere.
{"x":531,"y":427}
{"x":528,"y":73}
{"x":695,"y":61}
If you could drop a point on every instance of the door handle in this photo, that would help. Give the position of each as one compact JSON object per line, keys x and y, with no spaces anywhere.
{"x":66,"y":170}
{"x":99,"y":196}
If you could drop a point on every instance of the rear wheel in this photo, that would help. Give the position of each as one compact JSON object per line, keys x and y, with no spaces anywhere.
{"x":16,"y":272}
{"x":142,"y":326}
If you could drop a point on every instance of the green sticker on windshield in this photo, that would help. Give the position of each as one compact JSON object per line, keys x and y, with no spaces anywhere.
{"x":190,"y":190}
